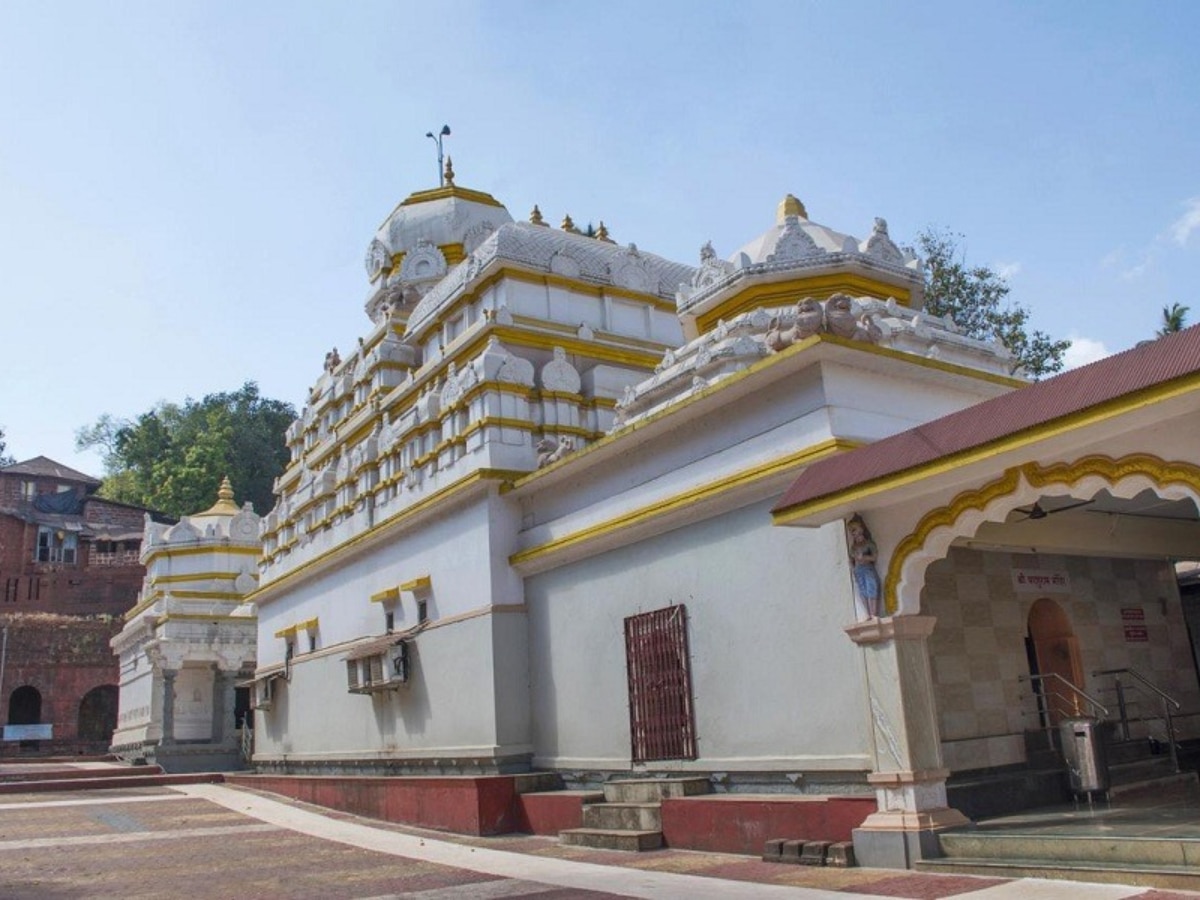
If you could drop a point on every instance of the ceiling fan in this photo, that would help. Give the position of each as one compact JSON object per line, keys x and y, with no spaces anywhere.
{"x":1037,"y":511}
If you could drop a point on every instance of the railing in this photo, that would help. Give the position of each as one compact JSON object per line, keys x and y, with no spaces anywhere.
{"x":1141,"y":682}
{"x":1053,"y":687}
{"x":118,"y":558}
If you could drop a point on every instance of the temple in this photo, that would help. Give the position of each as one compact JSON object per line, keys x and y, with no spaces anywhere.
{"x":758,"y":523}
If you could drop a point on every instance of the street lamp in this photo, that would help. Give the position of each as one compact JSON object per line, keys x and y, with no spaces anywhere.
{"x":445,"y":132}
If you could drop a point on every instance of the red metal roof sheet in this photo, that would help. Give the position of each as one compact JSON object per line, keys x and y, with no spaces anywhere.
{"x":1149,"y":364}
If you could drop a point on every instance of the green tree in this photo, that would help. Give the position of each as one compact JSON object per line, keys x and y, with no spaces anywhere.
{"x":173,"y":457}
{"x":5,"y":459}
{"x":1174,"y":318}
{"x":977,"y":299}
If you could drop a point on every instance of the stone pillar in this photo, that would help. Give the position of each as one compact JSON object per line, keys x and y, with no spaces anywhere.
{"x":168,"y":705}
{"x":909,"y":778}
{"x":223,"y":705}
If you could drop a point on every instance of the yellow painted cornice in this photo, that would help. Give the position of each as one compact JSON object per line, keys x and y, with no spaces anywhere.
{"x":395,"y":522}
{"x":420,"y":583}
{"x":387,"y":596}
{"x":447,"y":192}
{"x":198,"y":576}
{"x":684,"y":499}
{"x":170,"y":550}
{"x":787,"y":293}
{"x":860,"y":494}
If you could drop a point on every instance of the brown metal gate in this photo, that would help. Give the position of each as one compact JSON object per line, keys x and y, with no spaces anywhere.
{"x":661,"y":720}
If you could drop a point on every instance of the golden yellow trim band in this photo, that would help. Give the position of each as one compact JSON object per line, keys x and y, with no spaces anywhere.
{"x":684,"y":499}
{"x":857,"y":494}
{"x":421,"y":583}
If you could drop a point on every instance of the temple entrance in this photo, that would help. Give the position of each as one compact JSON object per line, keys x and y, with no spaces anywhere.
{"x":1053,"y":652}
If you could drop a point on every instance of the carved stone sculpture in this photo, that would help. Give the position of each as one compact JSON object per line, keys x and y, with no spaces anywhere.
{"x":549,"y":451}
{"x":868,"y":591}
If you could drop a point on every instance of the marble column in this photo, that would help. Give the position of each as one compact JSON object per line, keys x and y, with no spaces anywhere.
{"x":168,"y":705}
{"x":909,"y":776}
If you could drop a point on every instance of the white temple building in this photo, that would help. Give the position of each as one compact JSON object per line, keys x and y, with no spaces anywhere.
{"x":527,"y":526}
{"x":189,"y":641}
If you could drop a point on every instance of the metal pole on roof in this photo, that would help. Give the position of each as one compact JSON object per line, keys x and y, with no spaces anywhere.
{"x":445,"y":132}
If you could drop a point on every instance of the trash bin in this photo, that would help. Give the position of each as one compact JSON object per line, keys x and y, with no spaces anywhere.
{"x":1083,"y":748}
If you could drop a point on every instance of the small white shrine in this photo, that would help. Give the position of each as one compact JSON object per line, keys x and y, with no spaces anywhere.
{"x":189,"y":640}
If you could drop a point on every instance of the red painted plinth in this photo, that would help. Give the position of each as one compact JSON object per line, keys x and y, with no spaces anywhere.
{"x":466,"y":805}
{"x":743,"y":823}
{"x":550,"y":812}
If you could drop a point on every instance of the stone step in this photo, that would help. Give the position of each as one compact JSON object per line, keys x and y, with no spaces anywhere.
{"x":623,"y":816}
{"x":610,"y":839}
{"x":1052,"y":850}
{"x":1169,"y":877}
{"x":651,"y":790}
{"x":1180,"y":784}
{"x":537,"y":782}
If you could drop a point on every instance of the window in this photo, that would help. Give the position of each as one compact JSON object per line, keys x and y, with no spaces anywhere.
{"x":389,"y":621}
{"x":661,"y":720}
{"x":56,"y":546}
{"x":28,"y":490}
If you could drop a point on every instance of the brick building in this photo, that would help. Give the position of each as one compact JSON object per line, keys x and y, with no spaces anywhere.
{"x":69,"y":569}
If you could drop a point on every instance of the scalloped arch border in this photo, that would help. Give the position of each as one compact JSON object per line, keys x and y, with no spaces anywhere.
{"x":1160,"y":472}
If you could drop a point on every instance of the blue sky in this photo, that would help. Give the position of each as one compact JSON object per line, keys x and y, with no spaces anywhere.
{"x":187,"y":189}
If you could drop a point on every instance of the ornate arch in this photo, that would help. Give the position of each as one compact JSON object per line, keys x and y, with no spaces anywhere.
{"x":931,"y":538}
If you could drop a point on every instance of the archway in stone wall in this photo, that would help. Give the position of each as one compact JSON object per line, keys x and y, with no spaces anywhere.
{"x":98,"y":714}
{"x":1054,"y":657}
{"x":25,"y":706}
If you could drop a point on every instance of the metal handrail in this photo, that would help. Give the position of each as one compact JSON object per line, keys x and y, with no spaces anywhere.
{"x":1067,"y":683}
{"x":1167,"y":702}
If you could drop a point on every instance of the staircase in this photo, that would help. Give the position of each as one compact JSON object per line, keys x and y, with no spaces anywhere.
{"x":1128,"y":858}
{"x":630,"y":817}
{"x":1145,"y":830}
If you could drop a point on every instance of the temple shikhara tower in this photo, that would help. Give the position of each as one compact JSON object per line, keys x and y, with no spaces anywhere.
{"x":532,"y":523}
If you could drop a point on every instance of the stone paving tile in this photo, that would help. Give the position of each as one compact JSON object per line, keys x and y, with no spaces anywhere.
{"x":108,"y":793}
{"x":280,"y":865}
{"x":107,"y":819}
{"x":916,"y":886}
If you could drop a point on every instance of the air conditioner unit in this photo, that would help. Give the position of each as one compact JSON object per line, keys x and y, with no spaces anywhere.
{"x":383,"y":671}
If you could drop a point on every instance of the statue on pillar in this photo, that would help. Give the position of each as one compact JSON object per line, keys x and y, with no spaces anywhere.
{"x":868,"y":590}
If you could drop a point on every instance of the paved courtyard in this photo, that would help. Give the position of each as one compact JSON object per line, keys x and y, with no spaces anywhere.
{"x":212,"y":841}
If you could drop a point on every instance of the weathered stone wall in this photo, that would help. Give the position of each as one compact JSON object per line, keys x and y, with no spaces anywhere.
{"x":62,"y":658}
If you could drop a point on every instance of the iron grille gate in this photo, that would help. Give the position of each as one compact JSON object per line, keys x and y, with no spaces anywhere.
{"x":661,"y":720}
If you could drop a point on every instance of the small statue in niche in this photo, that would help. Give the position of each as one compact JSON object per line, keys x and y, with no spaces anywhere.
{"x":867,"y":587}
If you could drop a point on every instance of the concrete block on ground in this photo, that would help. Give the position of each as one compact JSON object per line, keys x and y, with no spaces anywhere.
{"x":840,"y":855}
{"x":773,"y":850}
{"x":814,"y":853}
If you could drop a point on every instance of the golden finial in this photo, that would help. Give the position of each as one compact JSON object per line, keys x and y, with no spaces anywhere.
{"x":602,"y":234}
{"x":790,"y":206}
{"x":224,"y":505}
{"x":449,"y":173}
{"x":535,"y":217}
{"x":568,"y":225}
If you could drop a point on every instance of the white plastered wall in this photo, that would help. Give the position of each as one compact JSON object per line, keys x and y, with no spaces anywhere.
{"x":776,"y":684}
